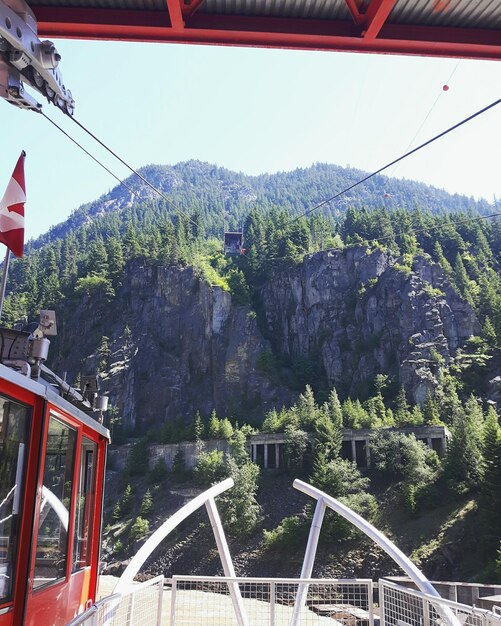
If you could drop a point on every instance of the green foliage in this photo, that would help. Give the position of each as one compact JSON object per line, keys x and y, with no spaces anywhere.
{"x":296,"y":445}
{"x":178,"y":464}
{"x":490,"y":485}
{"x":338,"y":477}
{"x":463,"y":466}
{"x":146,"y":504}
{"x":137,"y":461}
{"x":289,"y":534}
{"x":126,"y":500}
{"x":240,"y":510}
{"x":159,"y":472}
{"x":209,"y":467}
{"x":95,"y":286}
{"x":402,"y":457}
{"x":139,"y":529}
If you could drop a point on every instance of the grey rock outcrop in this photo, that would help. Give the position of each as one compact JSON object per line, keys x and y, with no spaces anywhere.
{"x":362,"y":314}
{"x":176,"y":344}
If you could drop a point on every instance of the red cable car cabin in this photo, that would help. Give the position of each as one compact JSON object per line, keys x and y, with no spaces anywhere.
{"x":52,"y":461}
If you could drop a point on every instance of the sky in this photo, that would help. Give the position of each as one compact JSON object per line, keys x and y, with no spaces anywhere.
{"x":252,"y":110}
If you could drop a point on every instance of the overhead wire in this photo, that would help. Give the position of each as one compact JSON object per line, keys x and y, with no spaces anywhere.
{"x":397,"y":160}
{"x":308,"y":211}
{"x":133,"y":170}
{"x":101,"y":164}
{"x":60,"y":128}
{"x":430,"y":111}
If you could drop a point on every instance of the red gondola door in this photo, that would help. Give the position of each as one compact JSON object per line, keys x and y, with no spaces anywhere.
{"x":20,"y":427}
{"x":65,"y":550}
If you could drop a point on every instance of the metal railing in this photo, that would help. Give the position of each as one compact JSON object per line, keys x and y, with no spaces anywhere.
{"x":140,"y":605}
{"x":401,"y":606}
{"x":198,"y":600}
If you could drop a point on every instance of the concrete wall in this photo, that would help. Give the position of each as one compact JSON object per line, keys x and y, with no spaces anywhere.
{"x":267,"y":449}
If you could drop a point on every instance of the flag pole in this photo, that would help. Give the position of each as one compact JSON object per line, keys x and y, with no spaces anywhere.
{"x":4,"y":279}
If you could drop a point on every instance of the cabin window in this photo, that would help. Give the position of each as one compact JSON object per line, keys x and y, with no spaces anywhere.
{"x":52,"y":539}
{"x":85,"y":505}
{"x":14,"y":424}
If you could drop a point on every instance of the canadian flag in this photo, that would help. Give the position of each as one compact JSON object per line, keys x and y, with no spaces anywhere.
{"x":12,"y":210}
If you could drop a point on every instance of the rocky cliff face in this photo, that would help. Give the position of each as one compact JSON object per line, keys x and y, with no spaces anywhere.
{"x":176,"y":344}
{"x":362,"y":314}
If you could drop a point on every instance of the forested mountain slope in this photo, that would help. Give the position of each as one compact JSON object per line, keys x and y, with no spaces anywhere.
{"x":223,"y":198}
{"x":385,"y":311}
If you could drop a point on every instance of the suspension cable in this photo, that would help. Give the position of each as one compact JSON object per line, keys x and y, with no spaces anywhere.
{"x":430,"y":111}
{"x":397,"y":160}
{"x":88,"y":153}
{"x":134,"y":171}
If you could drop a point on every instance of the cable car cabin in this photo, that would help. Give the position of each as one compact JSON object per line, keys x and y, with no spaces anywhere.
{"x":233,"y":243}
{"x":52,"y":462}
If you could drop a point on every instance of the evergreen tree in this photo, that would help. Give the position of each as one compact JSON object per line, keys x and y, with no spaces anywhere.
{"x":490,"y":486}
{"x":307,"y":409}
{"x":401,"y":413}
{"x":214,"y":427}
{"x":430,"y":410}
{"x":463,"y":464}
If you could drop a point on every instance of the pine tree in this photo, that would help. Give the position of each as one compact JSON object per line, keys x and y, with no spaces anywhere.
{"x":461,"y":277}
{"x":307,"y":409}
{"x":146,"y":504}
{"x":490,"y":486}
{"x":214,"y":427}
{"x":401,"y":412}
{"x":198,"y":432}
{"x":489,"y":332}
{"x":431,"y":413}
{"x":463,"y":464}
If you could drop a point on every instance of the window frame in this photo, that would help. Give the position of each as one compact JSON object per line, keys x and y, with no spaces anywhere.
{"x":52,"y":411}
{"x":22,"y":400}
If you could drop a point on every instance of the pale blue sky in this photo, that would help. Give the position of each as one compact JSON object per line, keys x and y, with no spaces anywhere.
{"x":252,"y":110}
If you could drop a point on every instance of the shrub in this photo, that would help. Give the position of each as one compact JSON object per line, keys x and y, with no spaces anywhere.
{"x":209,"y":467}
{"x":290,"y":533}
{"x":139,"y":529}
{"x":403,"y":457}
{"x":159,"y":472}
{"x":94,"y":286}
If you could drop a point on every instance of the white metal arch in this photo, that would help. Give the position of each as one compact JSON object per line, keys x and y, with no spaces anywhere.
{"x":324,"y":501}
{"x":207,"y":498}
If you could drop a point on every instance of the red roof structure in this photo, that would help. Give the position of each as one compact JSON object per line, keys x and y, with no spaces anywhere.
{"x":441,"y":28}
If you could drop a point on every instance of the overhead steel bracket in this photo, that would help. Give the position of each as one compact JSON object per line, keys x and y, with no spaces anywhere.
{"x":26,"y":59}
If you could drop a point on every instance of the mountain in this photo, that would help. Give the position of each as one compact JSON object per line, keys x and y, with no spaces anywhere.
{"x":146,"y":298}
{"x":224,"y":198}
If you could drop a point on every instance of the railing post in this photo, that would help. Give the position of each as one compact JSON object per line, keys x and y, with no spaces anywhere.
{"x":426,"y":612}
{"x":382,"y":620}
{"x":173,"y":603}
{"x":370,"y":603}
{"x":160,"y":602}
{"x":224,"y":554}
{"x":130,"y":612}
{"x":309,"y":559}
{"x":272,"y":603}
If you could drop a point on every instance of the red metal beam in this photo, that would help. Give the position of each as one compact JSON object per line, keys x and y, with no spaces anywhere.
{"x":354,"y":12}
{"x":375,"y":17}
{"x":154,"y":26}
{"x":191,"y":6}
{"x":175,"y":14}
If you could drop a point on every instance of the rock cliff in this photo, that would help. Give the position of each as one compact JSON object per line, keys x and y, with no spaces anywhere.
{"x":362,"y":314}
{"x":175,"y":344}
